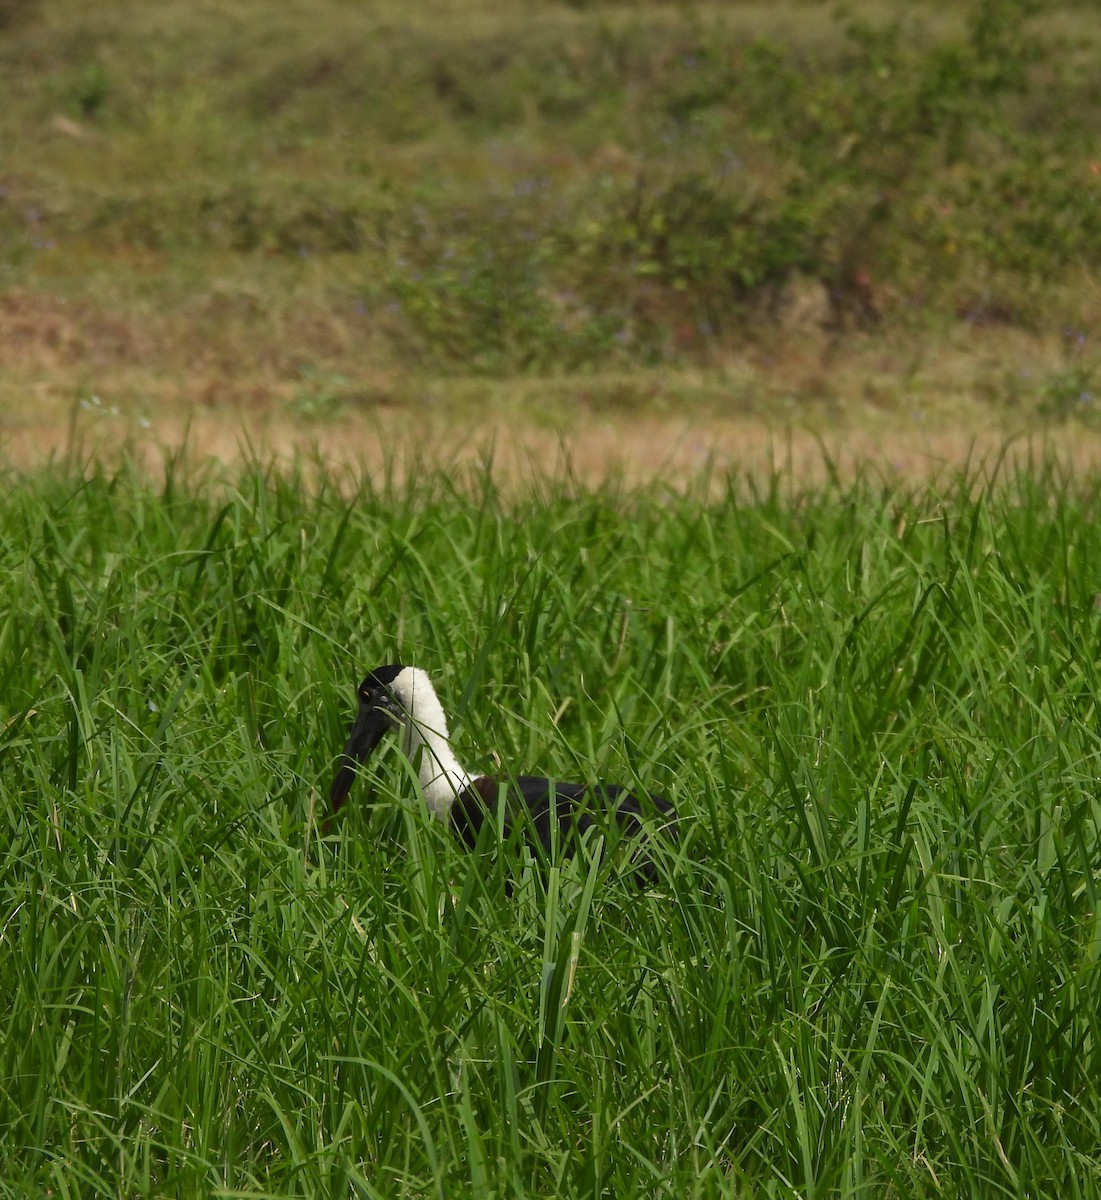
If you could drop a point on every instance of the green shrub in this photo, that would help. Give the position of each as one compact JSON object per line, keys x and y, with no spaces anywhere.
{"x":492,"y":307}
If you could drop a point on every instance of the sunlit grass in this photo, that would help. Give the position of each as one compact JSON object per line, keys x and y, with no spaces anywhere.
{"x":870,"y":967}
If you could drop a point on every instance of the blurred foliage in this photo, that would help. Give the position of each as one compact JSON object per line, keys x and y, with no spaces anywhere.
{"x":625,"y":183}
{"x":13,"y":12}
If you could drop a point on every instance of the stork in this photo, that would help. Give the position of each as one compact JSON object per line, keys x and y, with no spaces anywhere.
{"x":403,"y":697}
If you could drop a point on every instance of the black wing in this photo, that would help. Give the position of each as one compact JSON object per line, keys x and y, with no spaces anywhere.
{"x":536,"y":807}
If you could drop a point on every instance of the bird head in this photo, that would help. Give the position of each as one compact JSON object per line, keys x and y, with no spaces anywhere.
{"x":380,"y":709}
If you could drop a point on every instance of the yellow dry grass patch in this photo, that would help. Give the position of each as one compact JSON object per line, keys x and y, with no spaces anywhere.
{"x":643,"y":448}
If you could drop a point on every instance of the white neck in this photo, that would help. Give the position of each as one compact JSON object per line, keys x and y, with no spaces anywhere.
{"x":441,"y":775}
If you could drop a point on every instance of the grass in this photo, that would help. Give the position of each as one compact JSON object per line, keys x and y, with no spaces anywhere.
{"x":870,"y":969}
{"x":198,"y":203}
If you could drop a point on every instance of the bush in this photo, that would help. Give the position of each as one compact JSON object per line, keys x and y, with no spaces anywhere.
{"x":16,"y":12}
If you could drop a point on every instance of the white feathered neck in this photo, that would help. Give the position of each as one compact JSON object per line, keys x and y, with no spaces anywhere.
{"x":425,"y":735}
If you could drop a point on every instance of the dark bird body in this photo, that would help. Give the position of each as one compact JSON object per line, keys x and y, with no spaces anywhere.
{"x":547,"y":812}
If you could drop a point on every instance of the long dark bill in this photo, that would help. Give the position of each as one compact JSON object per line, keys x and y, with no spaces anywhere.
{"x":370,"y":725}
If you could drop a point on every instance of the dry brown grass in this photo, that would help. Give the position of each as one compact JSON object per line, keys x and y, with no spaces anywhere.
{"x":677,"y":451}
{"x":225,"y":378}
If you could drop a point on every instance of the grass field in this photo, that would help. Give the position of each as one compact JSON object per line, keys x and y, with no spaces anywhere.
{"x":636,"y":232}
{"x":320,"y":208}
{"x":871,"y":965}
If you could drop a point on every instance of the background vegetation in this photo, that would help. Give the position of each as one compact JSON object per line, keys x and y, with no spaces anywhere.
{"x":331,"y":197}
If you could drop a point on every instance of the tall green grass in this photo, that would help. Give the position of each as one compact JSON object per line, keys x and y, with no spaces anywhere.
{"x":871,"y":965}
